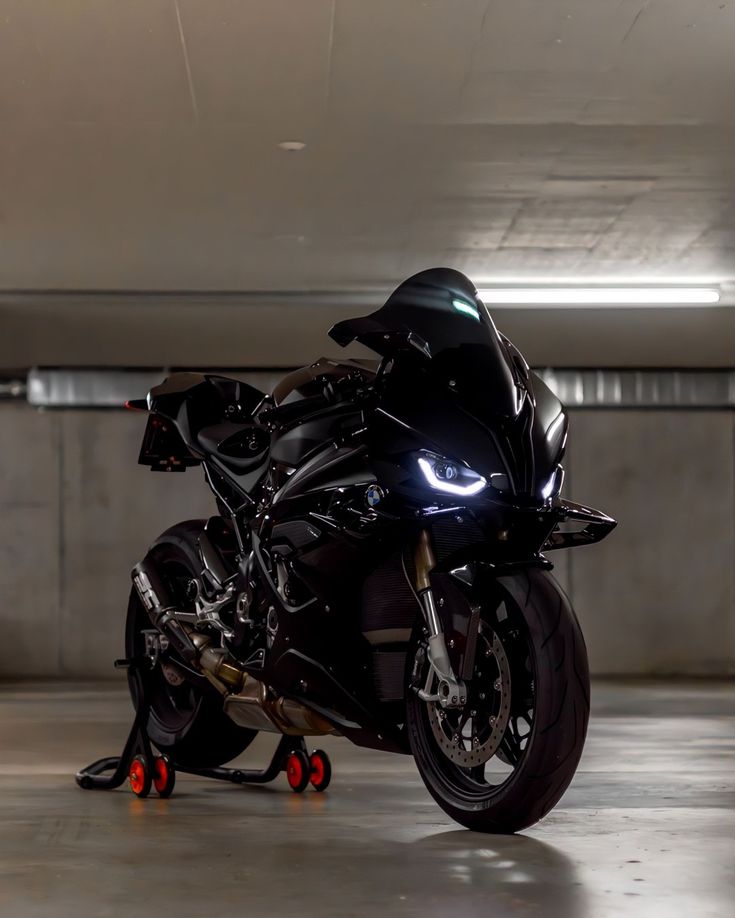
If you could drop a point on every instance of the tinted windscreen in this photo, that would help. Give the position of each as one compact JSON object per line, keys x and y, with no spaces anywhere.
{"x":440,"y":307}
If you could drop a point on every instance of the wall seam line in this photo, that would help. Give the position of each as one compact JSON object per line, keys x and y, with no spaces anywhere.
{"x":62,"y":546}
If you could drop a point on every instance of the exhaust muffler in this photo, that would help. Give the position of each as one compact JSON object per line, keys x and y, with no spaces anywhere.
{"x":161,"y":608}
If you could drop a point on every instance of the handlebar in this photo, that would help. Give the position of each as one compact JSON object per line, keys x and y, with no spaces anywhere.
{"x":335,"y":391}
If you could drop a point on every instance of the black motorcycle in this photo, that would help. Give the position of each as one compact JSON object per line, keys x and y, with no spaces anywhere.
{"x":376,"y":567}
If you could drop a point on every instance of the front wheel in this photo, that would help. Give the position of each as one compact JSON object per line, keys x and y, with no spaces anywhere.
{"x":504,"y":760}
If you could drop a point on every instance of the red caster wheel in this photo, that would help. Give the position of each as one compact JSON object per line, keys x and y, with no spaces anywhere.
{"x":139,"y":776}
{"x":321,"y":770}
{"x":297,"y":771}
{"x":164,"y":776}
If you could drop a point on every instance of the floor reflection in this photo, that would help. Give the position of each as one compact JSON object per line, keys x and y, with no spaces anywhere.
{"x":515,"y":873}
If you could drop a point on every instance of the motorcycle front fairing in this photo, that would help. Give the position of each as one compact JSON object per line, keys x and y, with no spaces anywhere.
{"x":455,"y":388}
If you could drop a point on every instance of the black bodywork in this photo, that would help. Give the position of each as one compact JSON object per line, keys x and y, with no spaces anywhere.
{"x":319,"y":493}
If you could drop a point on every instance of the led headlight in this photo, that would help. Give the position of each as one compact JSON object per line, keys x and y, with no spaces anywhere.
{"x":449,"y":476}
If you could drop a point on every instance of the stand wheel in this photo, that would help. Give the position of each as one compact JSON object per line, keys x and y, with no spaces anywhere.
{"x":164,"y":776}
{"x":139,"y":776}
{"x":297,"y":771}
{"x":320,"y":770}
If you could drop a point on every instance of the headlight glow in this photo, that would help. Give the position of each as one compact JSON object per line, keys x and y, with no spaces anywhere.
{"x":450,"y":477}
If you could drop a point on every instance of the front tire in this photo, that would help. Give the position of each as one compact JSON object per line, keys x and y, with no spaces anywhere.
{"x":544,"y":651}
{"x":186,"y":721}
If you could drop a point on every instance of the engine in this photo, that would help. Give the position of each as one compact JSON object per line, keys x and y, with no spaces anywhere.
{"x":223,"y":629}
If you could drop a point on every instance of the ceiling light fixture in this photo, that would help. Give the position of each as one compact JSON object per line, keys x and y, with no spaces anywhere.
{"x":600,"y":296}
{"x":600,"y":280}
{"x":292,"y":146}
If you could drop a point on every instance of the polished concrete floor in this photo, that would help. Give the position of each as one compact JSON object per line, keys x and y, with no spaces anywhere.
{"x":646,"y":829}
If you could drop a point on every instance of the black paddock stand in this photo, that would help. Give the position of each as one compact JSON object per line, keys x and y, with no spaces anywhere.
{"x":144,"y":769}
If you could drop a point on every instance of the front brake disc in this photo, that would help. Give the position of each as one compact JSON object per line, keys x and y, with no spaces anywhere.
{"x":470,"y":736}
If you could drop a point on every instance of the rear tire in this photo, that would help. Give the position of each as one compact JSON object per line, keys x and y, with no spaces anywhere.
{"x":186,"y":722}
{"x":541,"y":617}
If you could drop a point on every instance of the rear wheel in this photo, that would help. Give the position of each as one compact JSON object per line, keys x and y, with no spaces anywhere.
{"x":504,"y":760}
{"x":186,"y":721}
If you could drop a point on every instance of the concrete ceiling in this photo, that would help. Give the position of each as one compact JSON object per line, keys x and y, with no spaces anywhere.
{"x":139,"y":145}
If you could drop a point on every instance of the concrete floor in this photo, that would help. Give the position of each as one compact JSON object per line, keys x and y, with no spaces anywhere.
{"x":647,"y":827}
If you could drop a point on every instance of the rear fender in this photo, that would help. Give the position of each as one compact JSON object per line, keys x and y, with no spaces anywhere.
{"x":181,"y":406}
{"x":163,"y":449}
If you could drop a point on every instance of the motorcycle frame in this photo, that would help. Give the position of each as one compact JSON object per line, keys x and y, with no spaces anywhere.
{"x":319,"y":655}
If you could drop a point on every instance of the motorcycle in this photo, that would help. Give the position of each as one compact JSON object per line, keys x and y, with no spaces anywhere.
{"x":376,"y":568}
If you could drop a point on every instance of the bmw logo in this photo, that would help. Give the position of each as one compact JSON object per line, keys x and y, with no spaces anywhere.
{"x":374,"y":495}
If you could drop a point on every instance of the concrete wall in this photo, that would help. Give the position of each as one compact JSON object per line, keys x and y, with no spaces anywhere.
{"x":657,"y":597}
{"x":77,"y":512}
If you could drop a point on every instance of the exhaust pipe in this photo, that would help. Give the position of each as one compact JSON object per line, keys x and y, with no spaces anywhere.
{"x":254,"y":706}
{"x":247,"y":701}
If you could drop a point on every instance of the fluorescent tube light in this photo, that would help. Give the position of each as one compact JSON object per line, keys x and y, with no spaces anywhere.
{"x":600,"y":296}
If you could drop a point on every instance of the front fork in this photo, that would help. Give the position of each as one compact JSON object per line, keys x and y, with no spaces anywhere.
{"x":450,"y":691}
